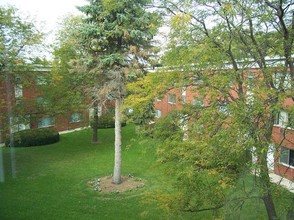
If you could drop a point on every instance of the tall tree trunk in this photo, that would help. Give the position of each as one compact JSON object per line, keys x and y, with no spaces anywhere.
{"x":95,"y":123}
{"x":266,"y":187}
{"x":10,"y":123}
{"x":117,"y":153}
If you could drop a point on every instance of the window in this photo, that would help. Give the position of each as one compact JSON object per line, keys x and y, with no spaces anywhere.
{"x":250,"y":76}
{"x":283,"y":119}
{"x":183,"y":122}
{"x":41,"y":80}
{"x":197,"y":102}
{"x":76,"y":117}
{"x":250,"y":84}
{"x":223,"y":107}
{"x":282,"y":80}
{"x":46,"y":122}
{"x":171,"y":98}
{"x":184,"y":93}
{"x":286,"y":156}
{"x":41,"y":101}
{"x":19,"y":102}
{"x":197,"y":79}
{"x":18,"y":91}
{"x":157,"y":113}
{"x":20,"y":123}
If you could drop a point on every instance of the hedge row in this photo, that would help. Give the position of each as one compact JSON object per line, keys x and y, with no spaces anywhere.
{"x":34,"y":137}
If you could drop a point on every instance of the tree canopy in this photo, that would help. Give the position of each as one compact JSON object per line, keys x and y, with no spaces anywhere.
{"x":117,"y":35}
{"x":17,"y":39}
{"x":229,"y":52}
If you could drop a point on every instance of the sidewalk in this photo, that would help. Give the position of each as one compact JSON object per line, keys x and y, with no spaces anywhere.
{"x":282,"y":181}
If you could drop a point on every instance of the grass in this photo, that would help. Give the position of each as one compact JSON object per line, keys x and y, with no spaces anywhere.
{"x":52,"y":181}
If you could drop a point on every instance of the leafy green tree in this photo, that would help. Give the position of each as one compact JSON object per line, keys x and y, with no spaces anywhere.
{"x":215,"y":45}
{"x":68,"y":90}
{"x":116,"y":33}
{"x":16,"y":40}
{"x":19,"y":41}
{"x":75,"y":73}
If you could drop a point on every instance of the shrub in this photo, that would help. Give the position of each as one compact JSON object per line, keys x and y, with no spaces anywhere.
{"x":107,"y":121}
{"x":34,"y":137}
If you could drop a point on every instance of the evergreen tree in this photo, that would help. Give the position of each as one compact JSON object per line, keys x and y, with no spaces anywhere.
{"x":117,"y":34}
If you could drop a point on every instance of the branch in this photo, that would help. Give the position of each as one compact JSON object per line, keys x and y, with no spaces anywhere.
{"x":205,"y":209}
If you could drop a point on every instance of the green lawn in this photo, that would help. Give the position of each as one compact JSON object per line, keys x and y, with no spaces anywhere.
{"x":52,"y":181}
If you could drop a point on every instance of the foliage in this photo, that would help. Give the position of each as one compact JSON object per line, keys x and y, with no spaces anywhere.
{"x":20,"y":44}
{"x":34,"y":137}
{"x":117,"y":36}
{"x":17,"y":40}
{"x":106,"y":120}
{"x":68,"y":88}
{"x":143,"y":92}
{"x":118,"y":29}
{"x":57,"y":165}
{"x":218,"y":43}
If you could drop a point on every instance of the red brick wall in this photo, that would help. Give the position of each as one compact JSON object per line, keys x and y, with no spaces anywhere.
{"x":277,"y":135}
{"x":284,"y":138}
{"x":287,"y":172}
{"x":166,"y":107}
{"x":62,"y":122}
{"x":30,"y":94}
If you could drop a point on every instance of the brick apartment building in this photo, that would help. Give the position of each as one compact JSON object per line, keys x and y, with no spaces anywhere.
{"x":19,"y":98}
{"x":282,"y":165}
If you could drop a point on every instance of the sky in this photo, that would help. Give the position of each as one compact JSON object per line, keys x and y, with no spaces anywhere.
{"x":46,"y":14}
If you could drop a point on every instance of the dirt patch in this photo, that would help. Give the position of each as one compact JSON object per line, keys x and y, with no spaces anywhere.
{"x":105,"y":185}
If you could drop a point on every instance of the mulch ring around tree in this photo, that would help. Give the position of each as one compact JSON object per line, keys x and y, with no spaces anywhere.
{"x":105,"y":185}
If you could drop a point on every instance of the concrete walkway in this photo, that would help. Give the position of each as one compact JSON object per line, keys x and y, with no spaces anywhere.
{"x":282,"y":181}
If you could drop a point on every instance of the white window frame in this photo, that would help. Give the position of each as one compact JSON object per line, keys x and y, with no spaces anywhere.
{"x":223,"y":108}
{"x":277,"y":77}
{"x":41,"y":80}
{"x":284,"y":157}
{"x":197,"y":102}
{"x":197,"y":79}
{"x":157,"y":113}
{"x":183,"y":121}
{"x":249,"y":86}
{"x":184,"y":94}
{"x":171,"y":98}
{"x":18,"y":88}
{"x":51,"y":122}
{"x":20,"y":123}
{"x":76,"y":117}
{"x":282,"y":120}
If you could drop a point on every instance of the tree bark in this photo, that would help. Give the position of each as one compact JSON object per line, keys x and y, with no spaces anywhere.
{"x":95,"y":124}
{"x":10,"y":124}
{"x":266,"y":188}
{"x":117,"y":152}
